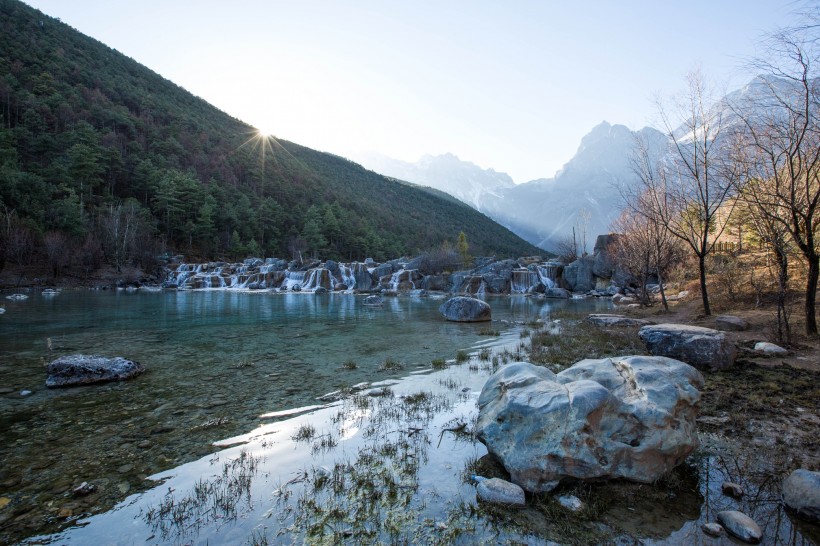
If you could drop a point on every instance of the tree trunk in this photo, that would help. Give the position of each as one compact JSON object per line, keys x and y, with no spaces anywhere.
{"x":811,"y":294}
{"x":783,"y":327}
{"x":663,"y":292}
{"x":707,"y":310}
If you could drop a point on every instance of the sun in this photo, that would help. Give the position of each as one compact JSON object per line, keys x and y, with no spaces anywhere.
{"x":264,"y":132}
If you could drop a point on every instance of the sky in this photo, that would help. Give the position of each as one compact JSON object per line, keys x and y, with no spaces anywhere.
{"x":512,"y":86}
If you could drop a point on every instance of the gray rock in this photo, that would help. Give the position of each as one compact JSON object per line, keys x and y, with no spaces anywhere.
{"x":607,"y":320}
{"x":703,"y":348}
{"x":570,"y":502}
{"x":364,"y":281}
{"x":770,"y":349}
{"x":320,"y":290}
{"x":740,"y":526}
{"x":801,"y":493}
{"x":434,"y":282}
{"x":578,"y":274}
{"x":72,"y":370}
{"x":464,"y":309}
{"x":629,"y":417}
{"x":373,"y":300}
{"x":556,"y":293}
{"x":603,"y":265}
{"x":713,"y":529}
{"x":500,"y":491}
{"x":732,"y":489}
{"x":729,"y":323}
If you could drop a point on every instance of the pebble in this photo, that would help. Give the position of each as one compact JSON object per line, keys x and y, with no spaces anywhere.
{"x":25,"y":393}
{"x":732,"y":489}
{"x":125,"y":468}
{"x":124,"y":487}
{"x":83,"y":489}
{"x":4,"y":501}
{"x":713,"y":529}
{"x":145,"y":444}
{"x":740,"y":526}
{"x":500,"y":491}
{"x":6,"y":390}
{"x":570,"y":502}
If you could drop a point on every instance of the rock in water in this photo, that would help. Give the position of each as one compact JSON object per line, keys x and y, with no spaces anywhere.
{"x":72,"y":370}
{"x":500,"y":491}
{"x":629,"y":417}
{"x":740,"y":526}
{"x":464,"y":309}
{"x":703,"y":348}
{"x":801,"y":493}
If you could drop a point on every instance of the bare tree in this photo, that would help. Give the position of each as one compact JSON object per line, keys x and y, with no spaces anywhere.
{"x":567,"y":248}
{"x":780,"y":147}
{"x":689,"y":190}
{"x":644,"y":247}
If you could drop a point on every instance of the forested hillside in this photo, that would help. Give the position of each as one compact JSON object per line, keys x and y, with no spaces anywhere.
{"x":101,"y":159}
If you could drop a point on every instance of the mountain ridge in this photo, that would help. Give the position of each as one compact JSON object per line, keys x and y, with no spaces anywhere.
{"x":89,"y":136}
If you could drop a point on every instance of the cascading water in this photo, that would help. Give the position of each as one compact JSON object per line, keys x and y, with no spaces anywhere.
{"x":293,"y":279}
{"x":522,"y":280}
{"x":546,"y":274}
{"x":348,"y":277}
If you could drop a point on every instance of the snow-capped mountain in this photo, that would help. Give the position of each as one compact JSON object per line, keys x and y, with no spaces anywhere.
{"x":584,"y":191}
{"x":461,"y":179}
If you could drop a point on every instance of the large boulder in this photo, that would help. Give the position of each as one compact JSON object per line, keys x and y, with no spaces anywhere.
{"x":464,"y":309}
{"x":703,"y":348}
{"x":629,"y":417}
{"x":72,"y":370}
{"x":578,"y":274}
{"x":801,"y":493}
{"x":604,"y":265}
{"x":364,"y":281}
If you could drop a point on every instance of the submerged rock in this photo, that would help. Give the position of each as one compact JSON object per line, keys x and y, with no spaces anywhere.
{"x":373,"y":300}
{"x":629,"y":417}
{"x":73,"y":370}
{"x":740,"y":526}
{"x":801,"y":493}
{"x":464,"y":309}
{"x":703,"y":348}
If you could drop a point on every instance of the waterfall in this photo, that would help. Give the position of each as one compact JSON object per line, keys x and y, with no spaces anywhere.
{"x":293,"y":279}
{"x":348,"y":277}
{"x":522,"y":280}
{"x":403,"y":276}
{"x":546,"y":274}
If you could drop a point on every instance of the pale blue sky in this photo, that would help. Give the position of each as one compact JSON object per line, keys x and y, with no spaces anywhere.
{"x":507,"y":85}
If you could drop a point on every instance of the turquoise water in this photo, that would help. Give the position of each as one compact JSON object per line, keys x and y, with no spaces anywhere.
{"x":216,"y":361}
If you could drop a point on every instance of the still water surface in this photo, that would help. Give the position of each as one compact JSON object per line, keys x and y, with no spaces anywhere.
{"x":216,"y":361}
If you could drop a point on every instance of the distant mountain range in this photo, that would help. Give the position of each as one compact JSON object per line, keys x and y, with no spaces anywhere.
{"x":545,"y":210}
{"x":584,"y":191}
